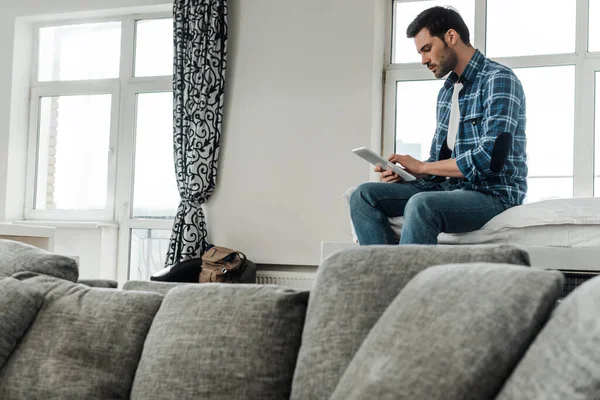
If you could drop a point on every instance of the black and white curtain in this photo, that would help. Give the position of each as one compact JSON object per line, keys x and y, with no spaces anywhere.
{"x":200,"y":40}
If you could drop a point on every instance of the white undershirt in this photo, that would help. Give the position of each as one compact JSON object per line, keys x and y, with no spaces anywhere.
{"x":454,"y":116}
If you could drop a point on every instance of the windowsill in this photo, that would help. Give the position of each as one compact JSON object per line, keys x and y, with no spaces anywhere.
{"x":10,"y":228}
{"x":69,"y":224}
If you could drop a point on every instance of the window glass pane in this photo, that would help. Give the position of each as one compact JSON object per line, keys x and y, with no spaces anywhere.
{"x":78,"y":52}
{"x":154,"y":47}
{"x":406,"y":12}
{"x":548,"y":188}
{"x":148,"y":252}
{"x":512,"y":25}
{"x":415,"y":117}
{"x":155,"y":192}
{"x":594,"y":30}
{"x":550,"y":119}
{"x":72,"y":156}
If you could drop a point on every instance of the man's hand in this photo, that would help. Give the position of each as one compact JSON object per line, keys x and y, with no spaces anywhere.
{"x":412,"y":165}
{"x":388,"y":176}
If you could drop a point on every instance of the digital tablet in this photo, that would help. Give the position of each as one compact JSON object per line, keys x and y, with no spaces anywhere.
{"x":376,"y":159}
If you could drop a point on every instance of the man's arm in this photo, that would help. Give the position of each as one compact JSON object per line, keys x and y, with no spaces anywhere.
{"x":442,"y":168}
{"x":422,"y":169}
{"x":503,"y":97}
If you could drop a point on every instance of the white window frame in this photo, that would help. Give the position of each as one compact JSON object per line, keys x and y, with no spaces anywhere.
{"x":124,"y":197}
{"x":586,"y":63}
{"x":124,"y":90}
{"x":69,"y":89}
{"x":132,"y":86}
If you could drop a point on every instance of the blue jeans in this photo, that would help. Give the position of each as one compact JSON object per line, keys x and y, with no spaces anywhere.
{"x":426,"y":213}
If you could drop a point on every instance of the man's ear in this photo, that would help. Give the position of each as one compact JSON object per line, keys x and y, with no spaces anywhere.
{"x":452,"y":36}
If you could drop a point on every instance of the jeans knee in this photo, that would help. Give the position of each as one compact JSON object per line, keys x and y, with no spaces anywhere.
{"x":361,"y":195}
{"x":419,"y":206}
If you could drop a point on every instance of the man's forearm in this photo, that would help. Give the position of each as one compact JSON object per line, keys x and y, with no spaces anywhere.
{"x":443,"y":168}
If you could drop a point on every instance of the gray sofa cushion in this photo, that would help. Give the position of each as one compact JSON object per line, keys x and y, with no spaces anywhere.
{"x":99,"y":283}
{"x":454,"y":332}
{"x":564,"y":360}
{"x":222,"y":341}
{"x":19,"y":303}
{"x":352,"y":290}
{"x":150,"y":286}
{"x":19,"y":257}
{"x":85,"y":343}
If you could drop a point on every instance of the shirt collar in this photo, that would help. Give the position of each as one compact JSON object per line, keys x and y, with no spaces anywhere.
{"x":469,"y":73}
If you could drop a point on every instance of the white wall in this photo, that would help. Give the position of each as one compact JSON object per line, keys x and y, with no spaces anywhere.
{"x":304,"y":88}
{"x":95,"y":250}
{"x":300,"y":96}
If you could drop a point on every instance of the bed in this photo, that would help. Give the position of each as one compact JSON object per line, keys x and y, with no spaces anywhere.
{"x":558,"y":234}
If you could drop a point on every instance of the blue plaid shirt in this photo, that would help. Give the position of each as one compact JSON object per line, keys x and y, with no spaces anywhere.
{"x":491,"y":103}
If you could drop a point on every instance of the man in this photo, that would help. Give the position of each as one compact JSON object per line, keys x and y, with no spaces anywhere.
{"x":477,"y":165}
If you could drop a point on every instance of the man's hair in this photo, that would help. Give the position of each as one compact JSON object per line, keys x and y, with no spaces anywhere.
{"x":438,"y":20}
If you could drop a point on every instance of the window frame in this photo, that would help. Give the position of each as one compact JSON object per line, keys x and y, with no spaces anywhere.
{"x":124,"y":90}
{"x":37,"y":93}
{"x":124,"y":192}
{"x":585,"y":62}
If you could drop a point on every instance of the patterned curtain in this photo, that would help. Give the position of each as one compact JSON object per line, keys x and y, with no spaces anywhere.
{"x":200,"y":40}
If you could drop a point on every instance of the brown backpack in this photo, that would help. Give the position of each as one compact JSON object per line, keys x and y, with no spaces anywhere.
{"x":220,"y":264}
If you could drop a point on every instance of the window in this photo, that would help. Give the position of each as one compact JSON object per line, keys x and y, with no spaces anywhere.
{"x":549,"y":140}
{"x":152,"y":153}
{"x":148,"y":252}
{"x":154,"y":47}
{"x":516,"y":38}
{"x":79,"y":52}
{"x":71,"y":150}
{"x":101,"y":144}
{"x":416,"y":142}
{"x":558,"y":77}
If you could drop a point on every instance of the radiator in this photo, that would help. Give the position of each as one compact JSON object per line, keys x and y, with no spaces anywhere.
{"x":294,"y":280}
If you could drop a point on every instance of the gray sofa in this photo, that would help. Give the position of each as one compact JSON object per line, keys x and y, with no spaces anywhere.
{"x":389,"y":322}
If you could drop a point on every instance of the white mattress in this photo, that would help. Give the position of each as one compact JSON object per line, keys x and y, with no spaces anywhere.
{"x":550,"y":223}
{"x":553,"y":236}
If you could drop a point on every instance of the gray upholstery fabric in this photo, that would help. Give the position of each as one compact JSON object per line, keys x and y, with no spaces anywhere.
{"x":352,"y":290}
{"x":19,"y":304}
{"x":150,"y":286}
{"x":99,"y":283}
{"x":18,"y":257}
{"x":564,"y":360}
{"x":84,"y":344}
{"x":454,"y":332}
{"x":222,"y":341}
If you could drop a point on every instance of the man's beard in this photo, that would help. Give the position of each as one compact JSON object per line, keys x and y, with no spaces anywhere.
{"x":447,"y":62}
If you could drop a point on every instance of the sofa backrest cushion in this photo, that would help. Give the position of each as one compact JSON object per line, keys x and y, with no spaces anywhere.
{"x":222,"y":341}
{"x":150,"y":286}
{"x":352,"y":289}
{"x":85,"y":343}
{"x":20,"y":257}
{"x":453,"y":332}
{"x":19,"y":304}
{"x":99,"y":283}
{"x":564,"y":360}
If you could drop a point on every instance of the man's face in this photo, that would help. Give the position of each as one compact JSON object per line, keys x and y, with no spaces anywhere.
{"x":435,"y":53}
